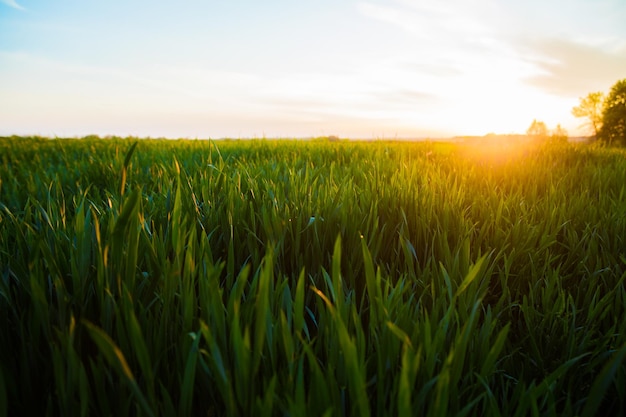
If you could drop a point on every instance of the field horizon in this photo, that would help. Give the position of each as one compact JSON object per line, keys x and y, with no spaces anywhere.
{"x":331,"y":137}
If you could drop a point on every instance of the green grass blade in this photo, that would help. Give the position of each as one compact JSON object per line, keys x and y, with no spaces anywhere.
{"x":189,"y":378}
{"x":115,"y":358}
{"x":471,"y":276}
{"x":4,"y":401}
{"x":129,"y":155}
{"x":494,"y":352}
{"x":602,"y":382}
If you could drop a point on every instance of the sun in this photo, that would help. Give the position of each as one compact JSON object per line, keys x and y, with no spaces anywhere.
{"x":494,"y":150}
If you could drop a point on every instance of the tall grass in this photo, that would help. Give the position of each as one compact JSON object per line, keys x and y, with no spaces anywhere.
{"x":160,"y":277}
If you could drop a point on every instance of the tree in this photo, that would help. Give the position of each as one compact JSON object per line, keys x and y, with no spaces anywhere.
{"x":559,"y":134}
{"x":590,"y":107}
{"x":537,"y":129}
{"x":613,"y":131}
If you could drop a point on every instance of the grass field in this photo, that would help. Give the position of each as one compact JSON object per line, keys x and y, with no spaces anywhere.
{"x":262,"y":278}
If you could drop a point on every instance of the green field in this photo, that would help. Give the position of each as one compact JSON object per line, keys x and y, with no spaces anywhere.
{"x":155,"y":277}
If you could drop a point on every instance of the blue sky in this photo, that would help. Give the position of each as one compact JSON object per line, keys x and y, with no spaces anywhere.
{"x":278,"y":68}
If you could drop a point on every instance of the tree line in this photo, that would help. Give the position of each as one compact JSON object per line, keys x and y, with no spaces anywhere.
{"x":606,"y":115}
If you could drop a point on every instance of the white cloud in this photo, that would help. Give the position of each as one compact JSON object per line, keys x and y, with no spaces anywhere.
{"x":448,"y":37}
{"x":571,"y":69}
{"x":12,"y":3}
{"x":438,"y":21}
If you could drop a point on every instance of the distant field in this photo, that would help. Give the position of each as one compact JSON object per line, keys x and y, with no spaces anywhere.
{"x":262,"y":278}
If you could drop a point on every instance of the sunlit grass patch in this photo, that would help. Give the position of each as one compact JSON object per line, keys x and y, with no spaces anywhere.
{"x":158,"y":277}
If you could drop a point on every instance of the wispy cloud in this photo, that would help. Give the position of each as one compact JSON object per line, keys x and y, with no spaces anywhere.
{"x":13,"y":4}
{"x":479,"y":48}
{"x":440,"y":22}
{"x":448,"y":38}
{"x":407,"y":96}
{"x":571,"y":69}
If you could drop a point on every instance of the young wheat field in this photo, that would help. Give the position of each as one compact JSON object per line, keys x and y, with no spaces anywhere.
{"x":292,"y":278}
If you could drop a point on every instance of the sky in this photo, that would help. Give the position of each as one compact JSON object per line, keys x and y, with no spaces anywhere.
{"x":283,"y":68}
